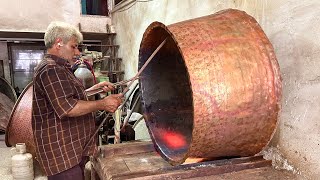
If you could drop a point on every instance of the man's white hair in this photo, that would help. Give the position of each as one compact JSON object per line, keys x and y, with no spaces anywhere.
{"x":61,"y":30}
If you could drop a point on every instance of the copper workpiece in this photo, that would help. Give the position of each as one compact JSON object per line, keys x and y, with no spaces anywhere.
{"x":19,"y":128}
{"x":213,"y":90}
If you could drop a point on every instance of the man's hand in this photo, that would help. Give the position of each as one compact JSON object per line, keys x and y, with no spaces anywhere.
{"x":105,"y":85}
{"x":109,"y":103}
{"x":112,"y":102}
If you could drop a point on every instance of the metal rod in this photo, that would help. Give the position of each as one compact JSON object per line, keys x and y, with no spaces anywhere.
{"x":145,"y":65}
{"x":98,"y":45}
{"x":99,"y":90}
{"x":104,"y":120}
{"x":130,"y":113}
{"x":124,"y":102}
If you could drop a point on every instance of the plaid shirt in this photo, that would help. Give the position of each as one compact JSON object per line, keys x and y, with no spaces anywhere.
{"x":60,"y":141}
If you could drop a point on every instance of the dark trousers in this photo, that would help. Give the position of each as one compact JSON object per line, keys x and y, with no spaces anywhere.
{"x":76,"y":172}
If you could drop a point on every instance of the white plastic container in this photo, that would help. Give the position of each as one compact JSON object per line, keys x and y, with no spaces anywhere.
{"x":112,"y":29}
{"x":22,"y":164}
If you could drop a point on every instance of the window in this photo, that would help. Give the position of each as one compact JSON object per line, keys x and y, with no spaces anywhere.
{"x":94,"y":7}
{"x":117,"y":2}
{"x":24,"y":59}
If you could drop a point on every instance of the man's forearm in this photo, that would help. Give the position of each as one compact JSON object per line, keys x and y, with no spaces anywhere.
{"x":84,"y":107}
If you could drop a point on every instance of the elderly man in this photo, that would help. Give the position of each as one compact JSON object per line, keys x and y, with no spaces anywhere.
{"x":62,"y":117}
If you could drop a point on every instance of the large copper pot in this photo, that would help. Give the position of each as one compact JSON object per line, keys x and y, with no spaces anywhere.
{"x":19,"y":128}
{"x":213,"y":90}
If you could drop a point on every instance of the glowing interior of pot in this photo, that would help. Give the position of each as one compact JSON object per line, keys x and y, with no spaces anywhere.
{"x":166,"y":95}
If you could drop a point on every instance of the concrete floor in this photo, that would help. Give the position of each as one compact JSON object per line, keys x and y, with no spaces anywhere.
{"x":5,"y":163}
{"x":264,"y":173}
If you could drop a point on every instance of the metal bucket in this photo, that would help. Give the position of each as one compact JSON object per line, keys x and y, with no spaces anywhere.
{"x":19,"y":129}
{"x":213,"y":90}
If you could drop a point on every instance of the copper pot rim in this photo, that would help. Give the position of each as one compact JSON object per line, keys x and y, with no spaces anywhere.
{"x":151,"y":27}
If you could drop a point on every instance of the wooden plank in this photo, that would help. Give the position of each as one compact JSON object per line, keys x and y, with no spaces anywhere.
{"x":195,"y":172}
{"x":106,"y":169}
{"x":108,"y":151}
{"x":146,"y":162}
{"x":139,"y":160}
{"x":141,"y":163}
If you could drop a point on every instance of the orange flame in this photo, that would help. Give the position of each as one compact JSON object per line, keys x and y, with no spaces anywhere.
{"x":173,"y":140}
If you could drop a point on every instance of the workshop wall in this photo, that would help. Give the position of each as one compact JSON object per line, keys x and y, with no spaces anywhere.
{"x":35,"y":15}
{"x":292,"y":27}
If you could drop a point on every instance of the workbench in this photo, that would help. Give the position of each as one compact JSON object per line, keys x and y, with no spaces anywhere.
{"x":139,"y":160}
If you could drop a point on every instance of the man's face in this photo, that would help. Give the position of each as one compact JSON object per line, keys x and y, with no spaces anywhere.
{"x":70,"y":50}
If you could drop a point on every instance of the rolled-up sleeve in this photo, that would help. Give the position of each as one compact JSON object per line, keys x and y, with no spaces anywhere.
{"x":58,"y":90}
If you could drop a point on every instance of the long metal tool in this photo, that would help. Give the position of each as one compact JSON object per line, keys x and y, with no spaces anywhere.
{"x":145,"y":65}
{"x":127,"y":88}
{"x":99,"y":90}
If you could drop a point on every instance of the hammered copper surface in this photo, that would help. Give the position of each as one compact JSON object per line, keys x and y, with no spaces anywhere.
{"x":213,"y":90}
{"x":19,"y":128}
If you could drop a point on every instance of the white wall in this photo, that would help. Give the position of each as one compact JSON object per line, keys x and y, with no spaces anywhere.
{"x":292,"y":27}
{"x":294,"y":32}
{"x":35,"y":15}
